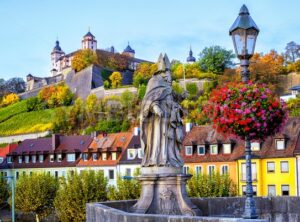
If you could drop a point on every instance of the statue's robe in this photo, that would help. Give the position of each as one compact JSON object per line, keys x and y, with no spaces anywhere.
{"x":161,"y":137}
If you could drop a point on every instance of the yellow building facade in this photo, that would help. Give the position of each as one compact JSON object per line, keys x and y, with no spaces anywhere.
{"x":271,"y":176}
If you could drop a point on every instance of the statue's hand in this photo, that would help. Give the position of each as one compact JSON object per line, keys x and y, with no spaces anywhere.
{"x":158,"y":111}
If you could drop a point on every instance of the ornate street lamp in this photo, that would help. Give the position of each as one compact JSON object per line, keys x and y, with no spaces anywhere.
{"x":244,"y":32}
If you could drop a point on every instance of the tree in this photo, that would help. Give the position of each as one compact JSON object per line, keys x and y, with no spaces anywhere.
{"x":266,"y":68}
{"x":15,"y":85}
{"x":143,"y":73}
{"x":141,"y":91}
{"x":77,"y":190}
{"x":83,"y":58}
{"x":115,"y":61}
{"x":36,"y":193}
{"x":76,"y":118}
{"x":4,"y":191}
{"x":116,"y":79}
{"x":60,"y":124}
{"x":127,"y":99}
{"x":92,"y":109}
{"x":292,"y":51}
{"x":10,"y":99}
{"x":192,"y":90}
{"x":215,"y":59}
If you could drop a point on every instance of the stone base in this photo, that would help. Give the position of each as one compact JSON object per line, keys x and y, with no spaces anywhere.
{"x":164,"y":193}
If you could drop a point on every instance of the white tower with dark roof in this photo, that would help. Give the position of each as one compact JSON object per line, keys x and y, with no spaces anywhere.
{"x":89,"y":41}
{"x":56,"y":54}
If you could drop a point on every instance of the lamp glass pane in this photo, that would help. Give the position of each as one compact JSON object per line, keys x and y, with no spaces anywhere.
{"x":239,"y":41}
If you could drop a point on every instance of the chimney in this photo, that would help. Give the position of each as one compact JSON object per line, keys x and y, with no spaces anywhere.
{"x":188,"y":127}
{"x":55,"y":141}
{"x":136,"y":131}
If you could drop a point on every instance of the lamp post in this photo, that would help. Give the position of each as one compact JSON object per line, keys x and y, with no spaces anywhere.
{"x":244,"y":32}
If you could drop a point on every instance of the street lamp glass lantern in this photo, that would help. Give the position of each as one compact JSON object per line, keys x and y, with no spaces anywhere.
{"x":244,"y":32}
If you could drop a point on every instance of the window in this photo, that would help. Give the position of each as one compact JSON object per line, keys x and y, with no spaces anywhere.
{"x":131,"y":153}
{"x":51,"y":158}
{"x":95,"y":156}
{"x":41,"y":158}
{"x":56,"y":174}
{"x":20,"y":159}
{"x":140,"y":153}
{"x":58,"y":157}
{"x":17,"y":175}
{"x":285,"y":190}
{"x":85,"y":156}
{"x":280,"y":144}
{"x":128,"y":172}
{"x":254,"y":171}
{"x":111,"y":174}
{"x":71,"y":157}
{"x":186,"y":170}
{"x":255,"y":146}
{"x":113,"y":155}
{"x":211,"y":170}
{"x":201,"y":150}
{"x":214,"y":149}
{"x":224,"y":169}
{"x":226,"y":148}
{"x":33,"y":158}
{"x":1,"y":160}
{"x":26,"y":159}
{"x":254,"y":190}
{"x":188,"y":150}
{"x":284,"y":166}
{"x":9,"y":159}
{"x":198,"y":170}
{"x":271,"y":190}
{"x":270,"y":167}
{"x":104,"y":156}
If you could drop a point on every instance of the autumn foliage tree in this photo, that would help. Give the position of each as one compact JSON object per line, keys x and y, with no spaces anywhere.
{"x":266,"y":68}
{"x":143,"y":73}
{"x":116,"y":79}
{"x":115,"y":61}
{"x":9,"y":99}
{"x":83,"y":58}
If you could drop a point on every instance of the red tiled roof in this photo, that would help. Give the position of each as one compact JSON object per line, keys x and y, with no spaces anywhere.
{"x":201,"y":135}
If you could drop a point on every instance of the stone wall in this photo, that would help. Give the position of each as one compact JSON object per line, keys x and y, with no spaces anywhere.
{"x":21,"y":137}
{"x":273,"y":209}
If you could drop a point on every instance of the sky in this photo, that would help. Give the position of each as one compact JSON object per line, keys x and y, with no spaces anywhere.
{"x":30,"y":28}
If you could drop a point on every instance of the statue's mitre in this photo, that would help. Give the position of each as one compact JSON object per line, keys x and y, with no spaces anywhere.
{"x":163,"y":63}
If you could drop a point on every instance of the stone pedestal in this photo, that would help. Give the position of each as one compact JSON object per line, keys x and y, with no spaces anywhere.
{"x":164,"y":192}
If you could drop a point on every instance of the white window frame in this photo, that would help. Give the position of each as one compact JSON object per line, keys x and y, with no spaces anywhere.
{"x":20,"y":159}
{"x":244,"y":188}
{"x":59,"y":157}
{"x":282,"y":147}
{"x":109,"y":174}
{"x":254,"y":171}
{"x":131,"y":154}
{"x":9,"y":159}
{"x":282,"y":190}
{"x":269,"y":193}
{"x":268,"y":169}
{"x":198,"y":150}
{"x":27,"y":159}
{"x":114,"y":156}
{"x":212,"y":150}
{"x":255,"y":146}
{"x":188,"y":150}
{"x":227,"y":146}
{"x":1,"y":159}
{"x":209,"y":172}
{"x":222,"y":167}
{"x":140,"y":153}
{"x":288,"y":167}
{"x":51,"y":158}
{"x":95,"y":156}
{"x":85,"y":156}
{"x":71,"y":157}
{"x":197,"y":171}
{"x":104,"y":156}
{"x":186,"y":169}
{"x":33,"y":158}
{"x":41,"y":158}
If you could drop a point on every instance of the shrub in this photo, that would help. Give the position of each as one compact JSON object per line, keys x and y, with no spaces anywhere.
{"x":10,"y":99}
{"x":77,"y":190}
{"x":4,"y":190}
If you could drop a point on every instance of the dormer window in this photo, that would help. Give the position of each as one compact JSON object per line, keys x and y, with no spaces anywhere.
{"x":51,"y":158}
{"x":20,"y":159}
{"x":226,"y":148}
{"x":41,"y":158}
{"x":1,"y":160}
{"x":9,"y":159}
{"x":280,"y":144}
{"x":95,"y":156}
{"x":59,"y":157}
{"x":114,"y":156}
{"x":85,"y":156}
{"x":71,"y":157}
{"x":255,"y":146}
{"x":201,"y":150}
{"x":214,"y":149}
{"x":140,"y":153}
{"x":26,"y":159}
{"x":104,"y":156}
{"x":188,"y":150}
{"x":131,"y":153}
{"x":33,"y":158}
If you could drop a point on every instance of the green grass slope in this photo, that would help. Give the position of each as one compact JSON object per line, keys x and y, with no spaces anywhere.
{"x":12,"y":110}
